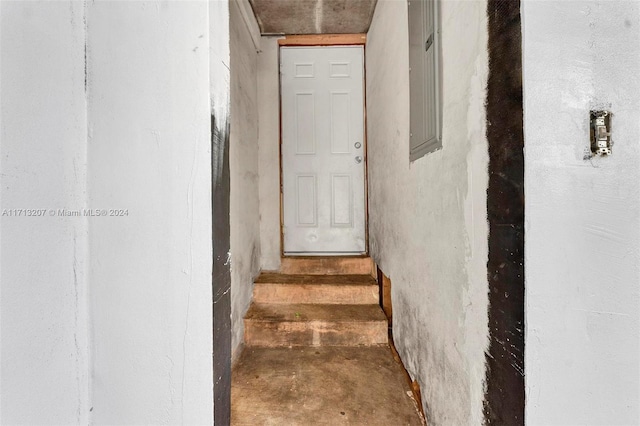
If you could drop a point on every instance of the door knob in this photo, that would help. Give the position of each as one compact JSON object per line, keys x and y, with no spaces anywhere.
{"x":358,"y":159}
{"x":357,"y":145}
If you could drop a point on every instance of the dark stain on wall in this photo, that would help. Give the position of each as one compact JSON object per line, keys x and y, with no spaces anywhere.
{"x":221,"y":271}
{"x":505,"y":394}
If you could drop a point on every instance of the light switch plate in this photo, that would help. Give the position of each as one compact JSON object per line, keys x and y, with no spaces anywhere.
{"x":600,"y":132}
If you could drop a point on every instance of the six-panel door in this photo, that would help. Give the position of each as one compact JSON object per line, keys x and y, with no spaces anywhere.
{"x":323,"y":153}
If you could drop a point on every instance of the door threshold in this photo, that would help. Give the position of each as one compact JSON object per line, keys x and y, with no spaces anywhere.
{"x":324,"y":254}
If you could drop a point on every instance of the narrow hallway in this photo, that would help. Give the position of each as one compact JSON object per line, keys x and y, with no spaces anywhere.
{"x":317,"y":350}
{"x":152,"y":156}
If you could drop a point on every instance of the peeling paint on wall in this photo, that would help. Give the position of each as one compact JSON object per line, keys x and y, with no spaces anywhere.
{"x":243,"y":166}
{"x":428,"y":229}
{"x":221,"y":272}
{"x":504,"y":398}
{"x":220,"y":93}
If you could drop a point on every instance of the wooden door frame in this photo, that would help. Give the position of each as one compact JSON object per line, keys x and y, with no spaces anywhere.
{"x":319,"y":40}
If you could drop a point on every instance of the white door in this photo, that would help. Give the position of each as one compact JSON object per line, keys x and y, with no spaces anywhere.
{"x":323,"y":155}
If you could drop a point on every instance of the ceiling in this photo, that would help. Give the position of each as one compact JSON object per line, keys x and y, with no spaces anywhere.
{"x":313,"y":16}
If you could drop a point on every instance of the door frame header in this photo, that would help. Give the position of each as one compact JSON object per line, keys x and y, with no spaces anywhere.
{"x":323,"y":40}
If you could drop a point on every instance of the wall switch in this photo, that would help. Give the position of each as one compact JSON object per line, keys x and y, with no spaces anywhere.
{"x":600,"y":132}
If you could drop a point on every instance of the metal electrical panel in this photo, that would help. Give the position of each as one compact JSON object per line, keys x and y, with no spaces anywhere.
{"x":424,"y":78}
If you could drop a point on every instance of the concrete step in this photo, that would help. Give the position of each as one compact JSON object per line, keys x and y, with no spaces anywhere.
{"x":314,"y":325}
{"x":328,"y":265}
{"x":325,"y":289}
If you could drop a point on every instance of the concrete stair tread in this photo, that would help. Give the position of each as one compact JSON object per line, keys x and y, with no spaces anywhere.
{"x":317,"y":301}
{"x":267,"y":312}
{"x":277,"y":278}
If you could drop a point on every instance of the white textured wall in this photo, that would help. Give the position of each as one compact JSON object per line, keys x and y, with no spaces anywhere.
{"x":149,"y":152}
{"x":243,"y":167}
{"x":43,"y":335}
{"x":427,"y":219}
{"x":269,"y":161}
{"x":582,"y":217}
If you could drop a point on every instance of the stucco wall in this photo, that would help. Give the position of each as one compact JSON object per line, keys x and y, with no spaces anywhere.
{"x":582,"y":217}
{"x":243,"y":164}
{"x":269,"y":164}
{"x":427,"y":219}
{"x":150,"y":271}
{"x":43,"y":334}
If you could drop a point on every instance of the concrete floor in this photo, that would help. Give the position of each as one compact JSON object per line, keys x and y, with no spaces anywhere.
{"x":320,"y":386}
